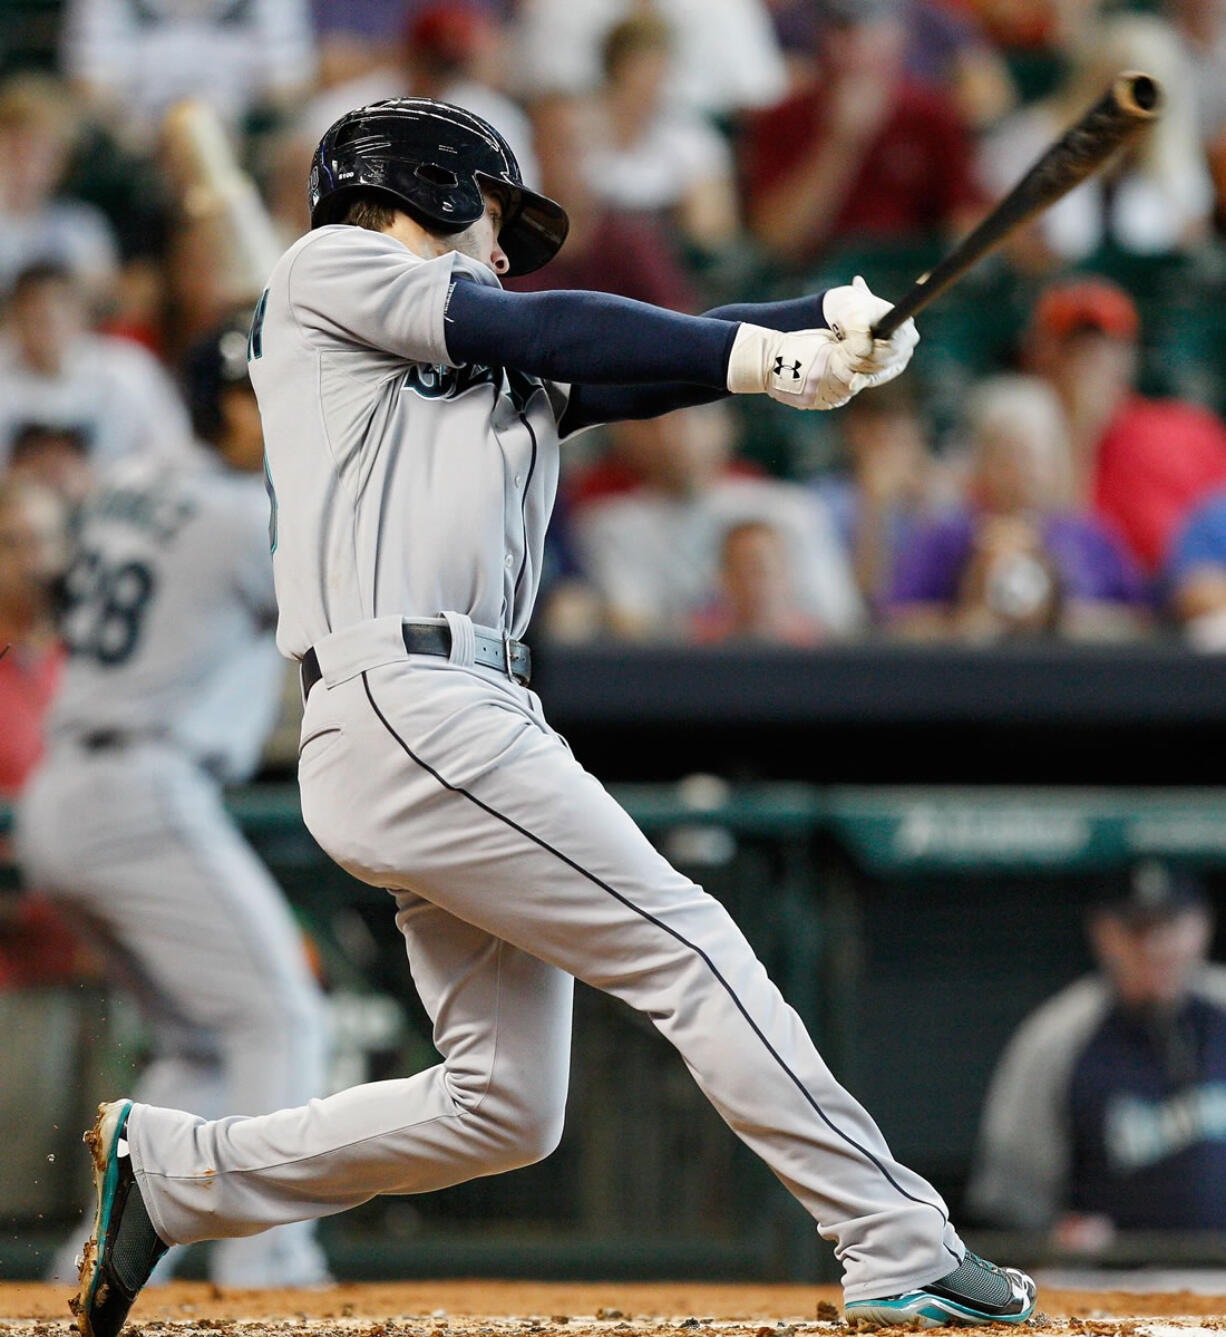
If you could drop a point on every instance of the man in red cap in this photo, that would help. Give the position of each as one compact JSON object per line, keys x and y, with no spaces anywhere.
{"x":1141,"y":463}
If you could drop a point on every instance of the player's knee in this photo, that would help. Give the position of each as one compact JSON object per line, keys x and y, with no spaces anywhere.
{"x":518,"y":1126}
{"x":541,"y":1139}
{"x":527,"y":1143}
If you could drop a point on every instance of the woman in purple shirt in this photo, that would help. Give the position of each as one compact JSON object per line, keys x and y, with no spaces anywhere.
{"x":1021,"y":558}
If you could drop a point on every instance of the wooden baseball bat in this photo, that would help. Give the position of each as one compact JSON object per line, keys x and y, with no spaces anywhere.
{"x":1131,"y":103}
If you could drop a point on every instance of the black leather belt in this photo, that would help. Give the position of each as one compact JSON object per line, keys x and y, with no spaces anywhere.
{"x":490,"y":652}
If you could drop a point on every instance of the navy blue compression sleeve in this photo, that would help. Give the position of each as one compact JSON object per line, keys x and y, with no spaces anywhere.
{"x":585,"y":337}
{"x":590,"y":404}
{"x":796,"y":313}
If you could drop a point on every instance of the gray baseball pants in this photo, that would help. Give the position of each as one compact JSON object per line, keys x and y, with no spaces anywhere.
{"x":514,"y":870}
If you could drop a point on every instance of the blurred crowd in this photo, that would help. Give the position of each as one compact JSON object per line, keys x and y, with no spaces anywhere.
{"x":1053,"y":466}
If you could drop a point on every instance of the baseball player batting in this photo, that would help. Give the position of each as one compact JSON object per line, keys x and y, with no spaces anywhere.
{"x":413,"y":412}
{"x":172,"y":685}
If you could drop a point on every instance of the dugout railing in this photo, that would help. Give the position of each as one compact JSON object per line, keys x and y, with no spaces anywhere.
{"x":912,"y":927}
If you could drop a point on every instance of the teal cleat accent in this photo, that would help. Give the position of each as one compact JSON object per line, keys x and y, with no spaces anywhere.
{"x":975,"y":1293}
{"x":124,"y":1248}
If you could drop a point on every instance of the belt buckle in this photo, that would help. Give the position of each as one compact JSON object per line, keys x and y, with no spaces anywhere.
{"x":506,"y":654}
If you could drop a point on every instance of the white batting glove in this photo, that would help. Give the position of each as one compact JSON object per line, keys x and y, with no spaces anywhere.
{"x":851,"y":312}
{"x":807,"y":369}
{"x":822,"y":369}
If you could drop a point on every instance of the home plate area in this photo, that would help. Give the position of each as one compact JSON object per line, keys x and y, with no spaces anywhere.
{"x":613,"y":1309}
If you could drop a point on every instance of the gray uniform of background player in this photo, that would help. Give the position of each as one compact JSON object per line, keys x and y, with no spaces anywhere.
{"x":408,"y":488}
{"x":174,"y":683}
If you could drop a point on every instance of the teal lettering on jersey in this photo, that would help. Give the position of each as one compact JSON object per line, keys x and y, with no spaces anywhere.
{"x":438,"y":382}
{"x":255,"y":340}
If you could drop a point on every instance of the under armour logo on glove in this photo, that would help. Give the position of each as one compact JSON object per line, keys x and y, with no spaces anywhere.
{"x":792,"y":367}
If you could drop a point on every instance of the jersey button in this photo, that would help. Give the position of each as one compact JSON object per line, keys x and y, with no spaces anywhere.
{"x":507,"y":561}
{"x":519,"y":478}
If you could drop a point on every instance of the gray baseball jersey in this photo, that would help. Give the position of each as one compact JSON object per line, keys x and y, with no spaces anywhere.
{"x":170,"y":611}
{"x":396,"y":489}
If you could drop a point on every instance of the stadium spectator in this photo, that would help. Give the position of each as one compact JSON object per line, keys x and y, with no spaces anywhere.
{"x":756,"y":602}
{"x":355,"y":35}
{"x":1108,"y":1107}
{"x":652,"y":553}
{"x":38,"y":129}
{"x":452,"y":50}
{"x":607,"y":249}
{"x":1202,"y":26}
{"x":890,"y":487}
{"x":1033,"y":25}
{"x":648,"y":156}
{"x":1155,"y":200}
{"x":55,"y":457}
{"x":1017,"y":559}
{"x":1141,"y":464}
{"x":54,"y":370}
{"x":33,"y":553}
{"x":136,"y":61}
{"x":864,"y":153}
{"x":947,"y":46}
{"x":728,"y":59}
{"x":1194,"y":576}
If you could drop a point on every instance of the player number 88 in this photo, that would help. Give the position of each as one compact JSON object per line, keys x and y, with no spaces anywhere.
{"x":105,"y":607}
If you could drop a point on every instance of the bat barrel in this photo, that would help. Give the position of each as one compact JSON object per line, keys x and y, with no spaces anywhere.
{"x":1131,"y":102}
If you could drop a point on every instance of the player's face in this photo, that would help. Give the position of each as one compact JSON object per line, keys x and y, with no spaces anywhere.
{"x":480,"y":241}
{"x":1151,"y":963}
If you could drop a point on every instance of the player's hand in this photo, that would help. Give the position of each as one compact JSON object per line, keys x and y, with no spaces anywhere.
{"x":822,"y":369}
{"x":806,"y":369}
{"x":851,"y":312}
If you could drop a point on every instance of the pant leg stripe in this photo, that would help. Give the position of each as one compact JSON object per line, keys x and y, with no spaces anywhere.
{"x":808,"y":1096}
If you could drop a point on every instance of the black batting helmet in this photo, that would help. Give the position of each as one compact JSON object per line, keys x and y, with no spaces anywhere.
{"x":212,"y":365}
{"x":432,"y":159}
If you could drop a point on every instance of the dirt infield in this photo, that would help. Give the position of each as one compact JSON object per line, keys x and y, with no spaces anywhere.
{"x":523,"y":1309}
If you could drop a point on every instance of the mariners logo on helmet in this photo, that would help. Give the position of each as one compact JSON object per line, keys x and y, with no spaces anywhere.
{"x":435,"y":161}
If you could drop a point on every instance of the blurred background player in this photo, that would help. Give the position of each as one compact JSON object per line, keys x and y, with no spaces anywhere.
{"x":1108,"y":1108}
{"x":171,"y":688}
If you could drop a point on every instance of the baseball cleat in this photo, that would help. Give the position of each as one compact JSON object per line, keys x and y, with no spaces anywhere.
{"x":124,"y":1247}
{"x":975,"y":1292}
